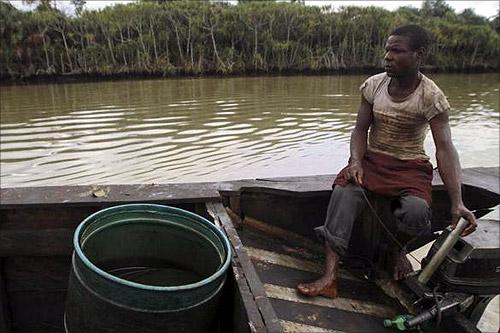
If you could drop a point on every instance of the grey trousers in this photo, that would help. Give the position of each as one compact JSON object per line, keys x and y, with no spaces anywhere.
{"x":346,"y":204}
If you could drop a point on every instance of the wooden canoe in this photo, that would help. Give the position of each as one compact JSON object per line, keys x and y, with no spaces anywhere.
{"x":269,"y":223}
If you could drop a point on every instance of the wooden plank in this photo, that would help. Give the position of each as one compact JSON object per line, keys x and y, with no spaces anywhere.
{"x":303,"y":186}
{"x":293,"y":327}
{"x":290,"y":278}
{"x":44,"y":217}
{"x":392,"y":289}
{"x":248,"y":318}
{"x":86,"y":195}
{"x":37,"y":273}
{"x":5,"y":321}
{"x":287,"y":264}
{"x":296,"y":214}
{"x":269,"y":318}
{"x":47,"y":242}
{"x":327,"y":317}
{"x":257,"y":239}
{"x":254,"y":318}
{"x":37,"y":311}
{"x":291,"y":262}
{"x":284,"y":260}
{"x":481,"y":177}
{"x":339,"y":303}
{"x":486,"y":178}
{"x":55,"y":216}
{"x":283,"y":234}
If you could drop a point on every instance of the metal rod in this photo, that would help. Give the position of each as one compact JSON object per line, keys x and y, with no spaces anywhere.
{"x":443,"y":251}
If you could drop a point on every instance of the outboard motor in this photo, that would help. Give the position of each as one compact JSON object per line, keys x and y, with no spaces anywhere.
{"x":473,"y":264}
{"x":459,"y":274}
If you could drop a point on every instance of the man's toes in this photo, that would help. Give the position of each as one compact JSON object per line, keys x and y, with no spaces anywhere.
{"x":311,"y":291}
{"x":303,"y":289}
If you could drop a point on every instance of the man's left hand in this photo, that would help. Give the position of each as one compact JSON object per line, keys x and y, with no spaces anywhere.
{"x":462,"y":211}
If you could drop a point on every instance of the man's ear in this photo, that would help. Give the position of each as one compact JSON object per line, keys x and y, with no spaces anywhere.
{"x":421,"y":51}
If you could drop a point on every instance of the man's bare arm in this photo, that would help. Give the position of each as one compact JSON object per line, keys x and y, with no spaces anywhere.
{"x":450,"y":170}
{"x":359,"y":140}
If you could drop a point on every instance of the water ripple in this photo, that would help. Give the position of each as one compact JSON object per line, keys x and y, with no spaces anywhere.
{"x":207,"y":129}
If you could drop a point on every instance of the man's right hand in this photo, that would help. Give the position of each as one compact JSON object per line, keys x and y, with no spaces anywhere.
{"x":355,"y":172}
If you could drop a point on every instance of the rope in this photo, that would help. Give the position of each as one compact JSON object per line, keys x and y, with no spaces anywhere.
{"x":384,"y":226}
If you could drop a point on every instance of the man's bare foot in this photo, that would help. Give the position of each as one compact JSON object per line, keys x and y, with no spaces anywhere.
{"x":402,"y":266}
{"x":321,"y":287}
{"x":327,"y":284}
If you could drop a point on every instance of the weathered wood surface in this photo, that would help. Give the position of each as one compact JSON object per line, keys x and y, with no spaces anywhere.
{"x":34,"y":218}
{"x":269,"y":318}
{"x":47,"y":230}
{"x":115,"y":194}
{"x":36,"y":292}
{"x":487,"y":178}
{"x":302,"y":213}
{"x":290,"y":277}
{"x":36,"y":226}
{"x":292,"y":327}
{"x":254,"y":317}
{"x":361,"y":306}
{"x":5,"y":321}
{"x":45,"y":242}
{"x":281,"y":264}
{"x":483,"y":177}
{"x":37,"y":311}
{"x":340,"y":303}
{"x":37,"y":273}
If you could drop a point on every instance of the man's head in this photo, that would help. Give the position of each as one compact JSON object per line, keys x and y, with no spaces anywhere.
{"x":405,"y":50}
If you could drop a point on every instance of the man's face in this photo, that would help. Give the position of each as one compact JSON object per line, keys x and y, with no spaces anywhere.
{"x":400,"y":60}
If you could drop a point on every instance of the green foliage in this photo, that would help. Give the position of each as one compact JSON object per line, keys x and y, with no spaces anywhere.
{"x":436,"y":8}
{"x":78,"y":5}
{"x":192,"y":37}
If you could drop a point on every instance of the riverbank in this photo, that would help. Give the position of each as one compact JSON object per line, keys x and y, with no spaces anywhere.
{"x":96,"y":77}
{"x":186,"y":38}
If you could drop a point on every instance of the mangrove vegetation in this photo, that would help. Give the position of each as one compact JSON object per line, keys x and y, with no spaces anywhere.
{"x":199,"y":37}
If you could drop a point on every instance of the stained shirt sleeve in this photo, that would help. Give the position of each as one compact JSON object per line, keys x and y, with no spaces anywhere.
{"x":439,"y":105}
{"x":367,"y":89}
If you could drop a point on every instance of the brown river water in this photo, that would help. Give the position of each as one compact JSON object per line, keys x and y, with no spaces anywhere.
{"x":209,"y":129}
{"x":213,"y":129}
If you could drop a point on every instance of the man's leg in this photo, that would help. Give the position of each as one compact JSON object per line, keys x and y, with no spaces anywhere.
{"x":346,"y":203}
{"x":414,"y":220}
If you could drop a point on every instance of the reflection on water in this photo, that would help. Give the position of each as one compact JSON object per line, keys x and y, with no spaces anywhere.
{"x":208,"y":129}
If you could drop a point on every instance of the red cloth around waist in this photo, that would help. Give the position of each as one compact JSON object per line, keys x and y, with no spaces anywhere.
{"x":389,"y":176}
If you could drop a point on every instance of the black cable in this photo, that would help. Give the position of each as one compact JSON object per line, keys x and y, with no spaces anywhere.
{"x":438,"y":308}
{"x":384,"y":226}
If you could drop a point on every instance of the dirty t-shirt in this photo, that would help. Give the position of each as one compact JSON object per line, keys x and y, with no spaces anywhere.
{"x":399,"y":127}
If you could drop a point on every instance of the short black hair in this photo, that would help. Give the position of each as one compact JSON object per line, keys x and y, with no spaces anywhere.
{"x":419,"y":37}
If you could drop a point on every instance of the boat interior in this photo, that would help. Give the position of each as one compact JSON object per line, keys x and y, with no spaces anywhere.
{"x":269,"y":223}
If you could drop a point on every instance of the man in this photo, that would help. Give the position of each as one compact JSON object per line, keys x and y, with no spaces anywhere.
{"x":397,"y":107}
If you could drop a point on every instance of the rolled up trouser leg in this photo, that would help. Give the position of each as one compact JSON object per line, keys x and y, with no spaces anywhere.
{"x":413,"y":215}
{"x":346,"y":203}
